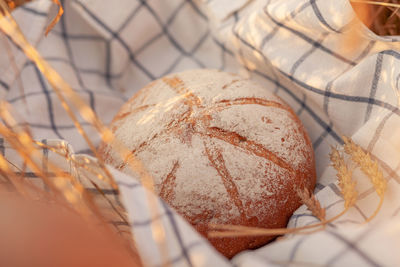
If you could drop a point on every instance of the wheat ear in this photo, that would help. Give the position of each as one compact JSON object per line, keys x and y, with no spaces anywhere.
{"x":369,"y":167}
{"x":344,"y":176}
{"x":312,"y":203}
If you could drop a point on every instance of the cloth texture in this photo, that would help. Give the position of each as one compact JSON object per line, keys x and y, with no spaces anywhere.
{"x":108,"y":50}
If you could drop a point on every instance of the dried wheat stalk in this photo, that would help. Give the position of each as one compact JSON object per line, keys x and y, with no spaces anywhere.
{"x":12,"y":4}
{"x":71,"y":102}
{"x":368,"y":166}
{"x":312,"y":203}
{"x":57,"y":18}
{"x":344,"y":176}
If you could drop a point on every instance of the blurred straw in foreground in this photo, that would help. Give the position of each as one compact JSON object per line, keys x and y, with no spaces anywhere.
{"x":71,"y":102}
{"x":382,"y":17}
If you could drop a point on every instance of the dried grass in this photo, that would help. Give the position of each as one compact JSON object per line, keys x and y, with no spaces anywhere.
{"x":67,"y":190}
{"x":12,"y":4}
{"x":57,"y":18}
{"x":17,"y":73}
{"x":381,"y":17}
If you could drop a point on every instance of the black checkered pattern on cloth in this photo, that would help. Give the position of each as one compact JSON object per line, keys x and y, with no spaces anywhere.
{"x":107,"y":50}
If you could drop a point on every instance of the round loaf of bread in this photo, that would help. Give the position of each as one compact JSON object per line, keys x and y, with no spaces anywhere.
{"x":221,"y":150}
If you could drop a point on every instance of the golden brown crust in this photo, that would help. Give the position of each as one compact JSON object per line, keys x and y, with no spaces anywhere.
{"x":196,"y":116}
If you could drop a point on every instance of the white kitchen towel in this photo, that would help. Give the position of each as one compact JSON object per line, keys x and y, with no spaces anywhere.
{"x":300,"y":49}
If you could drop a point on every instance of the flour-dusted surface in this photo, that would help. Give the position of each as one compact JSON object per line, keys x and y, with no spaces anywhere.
{"x":221,"y":149}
